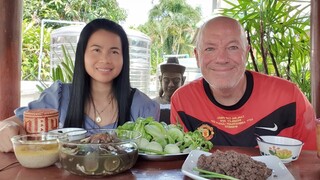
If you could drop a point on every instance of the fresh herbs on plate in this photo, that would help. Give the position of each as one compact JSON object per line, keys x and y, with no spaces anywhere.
{"x":210,"y":175}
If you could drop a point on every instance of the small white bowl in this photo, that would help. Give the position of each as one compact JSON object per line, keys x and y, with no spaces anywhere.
{"x":286,"y":149}
{"x":72,"y":133}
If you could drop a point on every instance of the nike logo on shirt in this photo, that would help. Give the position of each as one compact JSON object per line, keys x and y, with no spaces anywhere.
{"x":275,"y":128}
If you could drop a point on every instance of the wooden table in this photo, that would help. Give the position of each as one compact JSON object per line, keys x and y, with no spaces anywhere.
{"x":307,"y":167}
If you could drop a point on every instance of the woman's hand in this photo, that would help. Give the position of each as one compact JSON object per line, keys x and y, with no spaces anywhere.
{"x":9,"y":128}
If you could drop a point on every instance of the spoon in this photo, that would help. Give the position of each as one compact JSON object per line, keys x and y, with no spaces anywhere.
{"x":259,"y":137}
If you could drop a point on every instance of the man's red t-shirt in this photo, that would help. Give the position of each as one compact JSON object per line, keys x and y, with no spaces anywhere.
{"x":269,"y":106}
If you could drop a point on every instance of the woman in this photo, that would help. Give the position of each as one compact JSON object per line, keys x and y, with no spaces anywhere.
{"x":100,"y":95}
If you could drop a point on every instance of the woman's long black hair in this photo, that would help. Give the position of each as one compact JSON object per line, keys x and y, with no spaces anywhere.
{"x":80,"y":90}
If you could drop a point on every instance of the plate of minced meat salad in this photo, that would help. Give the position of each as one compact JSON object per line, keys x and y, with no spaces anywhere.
{"x":201,"y":165}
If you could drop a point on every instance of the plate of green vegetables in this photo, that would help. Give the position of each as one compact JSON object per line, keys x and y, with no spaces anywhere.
{"x":161,"y":141}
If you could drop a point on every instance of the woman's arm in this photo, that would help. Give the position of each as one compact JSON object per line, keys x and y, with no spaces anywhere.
{"x":9,"y":128}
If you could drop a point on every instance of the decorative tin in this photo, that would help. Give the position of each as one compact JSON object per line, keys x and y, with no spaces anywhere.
{"x":40,"y":120}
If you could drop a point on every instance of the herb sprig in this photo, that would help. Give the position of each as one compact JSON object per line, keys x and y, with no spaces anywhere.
{"x":209,"y":174}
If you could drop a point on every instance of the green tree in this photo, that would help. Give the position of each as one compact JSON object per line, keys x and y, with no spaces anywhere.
{"x":171,"y":26}
{"x":277,"y":32}
{"x":73,"y":10}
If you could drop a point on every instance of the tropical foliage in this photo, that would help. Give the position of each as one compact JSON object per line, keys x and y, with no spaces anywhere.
{"x":171,"y":26}
{"x":72,"y":10}
{"x":63,"y":71}
{"x":31,"y":51}
{"x":278,"y":33}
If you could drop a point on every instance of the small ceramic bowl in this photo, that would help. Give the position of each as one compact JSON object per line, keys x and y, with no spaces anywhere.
{"x":36,"y":150}
{"x":286,"y":149}
{"x":72,"y":133}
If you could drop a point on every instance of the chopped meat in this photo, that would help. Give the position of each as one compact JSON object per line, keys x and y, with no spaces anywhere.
{"x":234,"y":164}
{"x":101,"y":138}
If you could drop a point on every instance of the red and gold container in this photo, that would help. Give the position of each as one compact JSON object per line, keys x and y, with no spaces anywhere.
{"x":40,"y":120}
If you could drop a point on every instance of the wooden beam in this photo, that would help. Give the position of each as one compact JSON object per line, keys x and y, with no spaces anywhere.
{"x":315,"y":56}
{"x":10,"y":56}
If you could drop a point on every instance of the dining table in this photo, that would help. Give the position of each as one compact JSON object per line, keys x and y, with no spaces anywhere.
{"x":306,"y":167}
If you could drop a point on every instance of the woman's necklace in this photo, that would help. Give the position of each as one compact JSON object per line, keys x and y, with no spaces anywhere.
{"x":98,"y":118}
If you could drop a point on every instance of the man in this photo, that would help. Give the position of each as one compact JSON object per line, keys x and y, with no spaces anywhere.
{"x":231,"y":104}
{"x":171,"y":79}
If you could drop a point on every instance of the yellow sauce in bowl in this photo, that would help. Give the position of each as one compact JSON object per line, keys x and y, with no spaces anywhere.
{"x":37,"y":155}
